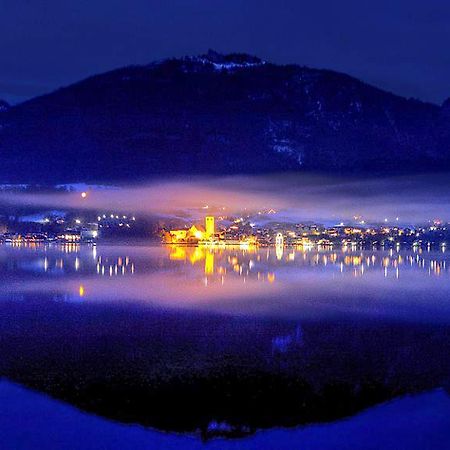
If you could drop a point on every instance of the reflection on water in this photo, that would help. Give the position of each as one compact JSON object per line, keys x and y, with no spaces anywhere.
{"x":180,"y":338}
{"x":217,"y":261}
{"x":235,"y":280}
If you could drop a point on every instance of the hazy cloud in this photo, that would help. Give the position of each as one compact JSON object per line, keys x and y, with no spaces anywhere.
{"x":296,"y":196}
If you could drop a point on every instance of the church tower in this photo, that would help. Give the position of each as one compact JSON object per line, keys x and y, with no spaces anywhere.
{"x":209,"y":226}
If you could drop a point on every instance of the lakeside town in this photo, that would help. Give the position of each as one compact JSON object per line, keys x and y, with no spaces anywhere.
{"x":221,"y":231}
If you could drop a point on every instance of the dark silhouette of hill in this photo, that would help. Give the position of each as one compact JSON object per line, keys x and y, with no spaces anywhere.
{"x":219,"y":114}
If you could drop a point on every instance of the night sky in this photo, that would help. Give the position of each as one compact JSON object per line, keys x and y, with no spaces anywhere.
{"x":402,"y":46}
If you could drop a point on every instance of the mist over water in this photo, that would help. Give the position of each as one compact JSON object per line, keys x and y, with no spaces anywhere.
{"x":275,"y":283}
{"x":296,"y":196}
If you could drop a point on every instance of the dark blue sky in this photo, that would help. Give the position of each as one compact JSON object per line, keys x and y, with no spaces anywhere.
{"x":402,"y":46}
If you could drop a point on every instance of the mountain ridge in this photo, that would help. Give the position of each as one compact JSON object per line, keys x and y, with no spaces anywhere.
{"x":219,"y":114}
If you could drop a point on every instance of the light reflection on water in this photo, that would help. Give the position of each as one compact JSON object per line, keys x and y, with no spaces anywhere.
{"x":232,"y":280}
{"x":144,"y":334}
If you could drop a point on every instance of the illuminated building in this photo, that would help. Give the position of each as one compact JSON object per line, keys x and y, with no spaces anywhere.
{"x":89,"y":232}
{"x":279,"y":240}
{"x":209,"y":227}
{"x":70,"y":236}
{"x":177,"y":235}
{"x":194,"y":235}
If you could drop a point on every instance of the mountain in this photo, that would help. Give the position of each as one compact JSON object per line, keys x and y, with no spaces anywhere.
{"x":219,"y":114}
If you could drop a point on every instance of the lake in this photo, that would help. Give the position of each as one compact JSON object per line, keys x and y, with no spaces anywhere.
{"x":223,"y":342}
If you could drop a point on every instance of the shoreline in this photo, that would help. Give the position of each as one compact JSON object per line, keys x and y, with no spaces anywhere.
{"x":410,"y":422}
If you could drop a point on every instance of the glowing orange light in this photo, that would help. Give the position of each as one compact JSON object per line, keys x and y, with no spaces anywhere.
{"x":271,"y":277}
{"x":81,"y":291}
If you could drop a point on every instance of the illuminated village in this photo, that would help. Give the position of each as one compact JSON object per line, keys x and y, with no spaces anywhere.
{"x":244,"y":233}
{"x":221,"y":247}
{"x":207,"y":235}
{"x":216,"y":231}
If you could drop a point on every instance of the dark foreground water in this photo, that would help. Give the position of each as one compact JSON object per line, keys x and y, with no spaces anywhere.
{"x":224,"y":342}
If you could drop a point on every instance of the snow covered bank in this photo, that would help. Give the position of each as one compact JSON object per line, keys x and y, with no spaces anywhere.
{"x":29,"y":420}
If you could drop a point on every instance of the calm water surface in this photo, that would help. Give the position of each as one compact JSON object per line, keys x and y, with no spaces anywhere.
{"x":183,"y":338}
